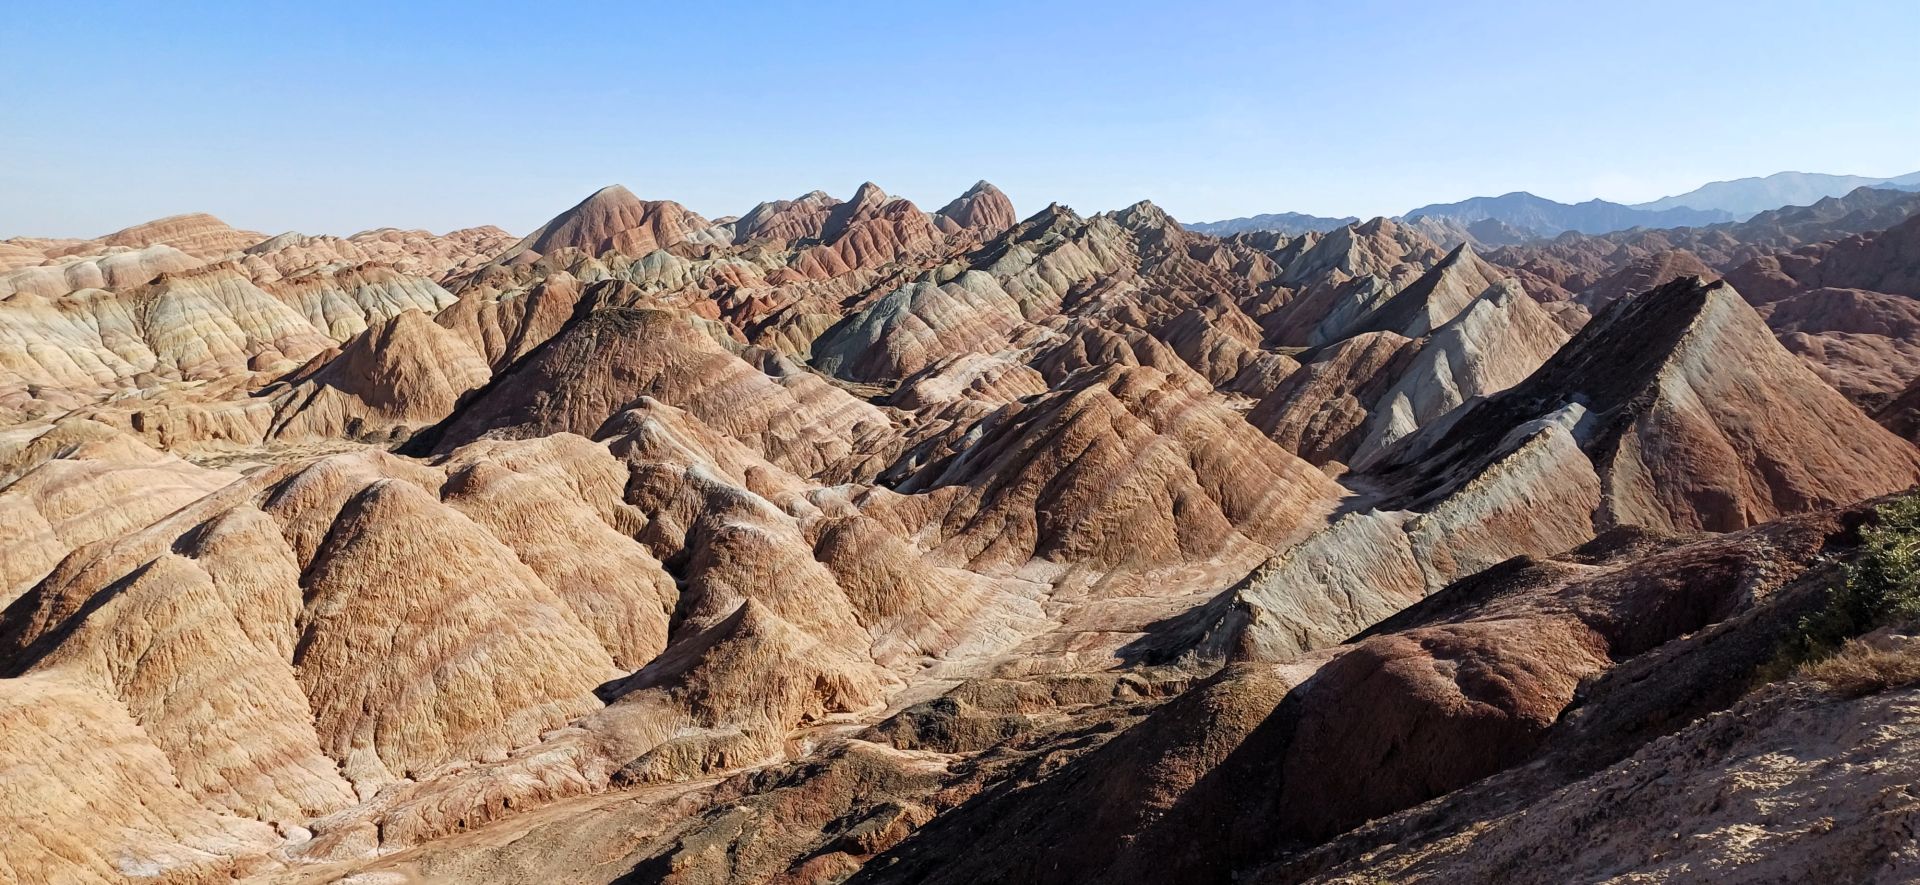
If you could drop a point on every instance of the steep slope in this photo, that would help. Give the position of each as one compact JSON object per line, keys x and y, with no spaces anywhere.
{"x":1614,"y":428}
{"x":402,"y":374}
{"x":1321,"y":411}
{"x":269,"y":607}
{"x":1491,"y":344}
{"x":1865,"y":344}
{"x":1837,"y":763}
{"x":1643,"y":275}
{"x":604,"y":363}
{"x":90,"y":800}
{"x":78,"y":483}
{"x":344,"y":301}
{"x":1846,"y":306}
{"x":1775,"y":439}
{"x":983,"y":209}
{"x":1460,"y":331}
{"x":804,"y":217}
{"x":1435,"y":298}
{"x":870,"y":230}
{"x":1123,"y":466}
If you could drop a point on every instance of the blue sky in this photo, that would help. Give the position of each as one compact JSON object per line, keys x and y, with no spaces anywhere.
{"x":338,"y":116}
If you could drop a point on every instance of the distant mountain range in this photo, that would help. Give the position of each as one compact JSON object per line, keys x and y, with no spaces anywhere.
{"x":1529,"y":215}
{"x":1543,"y":217}
{"x":1520,"y":214}
{"x":1746,"y":197}
{"x":1289,"y":223}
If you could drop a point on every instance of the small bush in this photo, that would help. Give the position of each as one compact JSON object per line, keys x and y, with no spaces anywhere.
{"x":1881,"y":586}
{"x":1861,"y":668}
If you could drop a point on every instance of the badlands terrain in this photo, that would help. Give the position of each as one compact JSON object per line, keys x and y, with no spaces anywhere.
{"x":849,"y":541}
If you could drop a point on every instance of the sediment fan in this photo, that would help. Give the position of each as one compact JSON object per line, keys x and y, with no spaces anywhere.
{"x":845,"y":541}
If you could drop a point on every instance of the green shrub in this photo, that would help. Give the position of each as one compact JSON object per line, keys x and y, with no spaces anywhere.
{"x":1881,"y":586}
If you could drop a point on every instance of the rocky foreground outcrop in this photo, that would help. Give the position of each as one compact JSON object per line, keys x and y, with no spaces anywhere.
{"x":847,"y":541}
{"x":1544,"y":660}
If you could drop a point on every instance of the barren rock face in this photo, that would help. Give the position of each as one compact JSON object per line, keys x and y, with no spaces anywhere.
{"x":1254,"y":768}
{"x":344,"y":302}
{"x":983,"y":209}
{"x":1859,"y":342}
{"x":197,"y":234}
{"x":204,"y":324}
{"x":1097,"y":472}
{"x":414,"y":252}
{"x":1844,"y":306}
{"x":91,"y":800}
{"x":114,"y":270}
{"x":1643,"y":275}
{"x":1491,"y":344}
{"x":785,"y":220}
{"x":1396,"y":361}
{"x":1321,"y":411}
{"x":403,"y":373}
{"x":79,"y":483}
{"x":845,"y":541}
{"x":1661,"y":404}
{"x":603,"y":365}
{"x":1880,"y":261}
{"x":614,"y":220}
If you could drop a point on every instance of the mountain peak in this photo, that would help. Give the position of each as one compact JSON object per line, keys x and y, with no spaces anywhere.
{"x":612,"y":192}
{"x":612,"y":219}
{"x":982,"y":208}
{"x":199,"y":234}
{"x":1143,"y":212}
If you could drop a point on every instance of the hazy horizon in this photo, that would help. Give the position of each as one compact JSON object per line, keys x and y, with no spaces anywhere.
{"x":339,"y":119}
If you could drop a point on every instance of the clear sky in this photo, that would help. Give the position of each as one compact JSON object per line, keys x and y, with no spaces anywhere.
{"x":331,"y":117}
